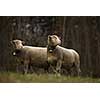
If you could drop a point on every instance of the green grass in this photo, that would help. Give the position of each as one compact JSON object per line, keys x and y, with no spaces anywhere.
{"x":10,"y":77}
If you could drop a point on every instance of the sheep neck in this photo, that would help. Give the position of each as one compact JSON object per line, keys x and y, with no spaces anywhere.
{"x":51,"y":48}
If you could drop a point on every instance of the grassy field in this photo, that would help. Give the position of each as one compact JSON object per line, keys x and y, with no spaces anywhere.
{"x":9,"y":77}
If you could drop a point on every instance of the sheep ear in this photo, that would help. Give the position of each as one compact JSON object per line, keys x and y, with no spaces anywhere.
{"x":23,"y":42}
{"x":49,"y":35}
{"x":11,"y":42}
{"x":59,"y":40}
{"x":59,"y":37}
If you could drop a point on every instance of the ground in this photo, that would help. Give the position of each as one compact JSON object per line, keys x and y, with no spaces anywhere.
{"x":11,"y":77}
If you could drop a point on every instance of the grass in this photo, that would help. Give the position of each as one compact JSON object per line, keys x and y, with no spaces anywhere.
{"x":11,"y":77}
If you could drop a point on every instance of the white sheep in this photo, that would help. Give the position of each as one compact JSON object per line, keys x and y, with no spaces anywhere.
{"x":29,"y":55}
{"x":60,"y":57}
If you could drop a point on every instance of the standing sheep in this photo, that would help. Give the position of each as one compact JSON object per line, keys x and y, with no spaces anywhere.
{"x":59,"y":57}
{"x":29,"y":55}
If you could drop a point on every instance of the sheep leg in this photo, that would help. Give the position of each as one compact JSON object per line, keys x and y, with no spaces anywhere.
{"x":51,"y":69}
{"x":78,"y":71}
{"x":30,"y":68}
{"x":18,"y":66}
{"x":26,"y":67}
{"x":72,"y":71}
{"x":58,"y":67}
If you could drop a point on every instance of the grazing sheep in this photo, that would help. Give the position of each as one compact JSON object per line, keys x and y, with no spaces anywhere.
{"x":29,"y":55}
{"x":60,"y":57}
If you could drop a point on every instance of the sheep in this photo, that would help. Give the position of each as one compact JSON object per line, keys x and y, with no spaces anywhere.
{"x":60,"y":57}
{"x":29,"y":55}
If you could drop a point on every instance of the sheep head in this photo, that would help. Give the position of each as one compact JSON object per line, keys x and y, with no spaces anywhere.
{"x":53,"y":40}
{"x":17,"y":44}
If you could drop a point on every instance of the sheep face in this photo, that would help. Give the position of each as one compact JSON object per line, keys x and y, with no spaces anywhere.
{"x":17,"y":44}
{"x":53,"y":40}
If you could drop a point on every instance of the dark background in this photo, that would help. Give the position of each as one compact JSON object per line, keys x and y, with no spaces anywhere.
{"x":79,"y":33}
